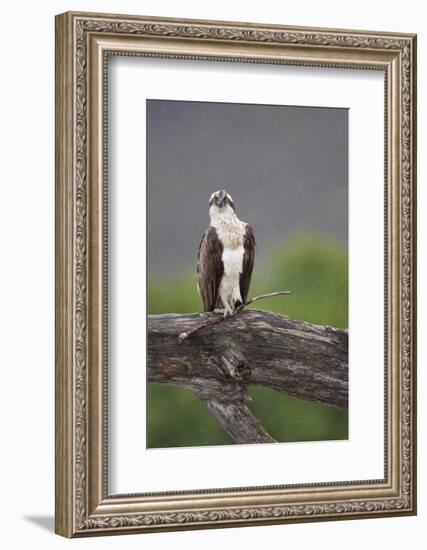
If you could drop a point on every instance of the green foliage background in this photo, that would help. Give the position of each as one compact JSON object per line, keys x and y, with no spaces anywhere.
{"x":315,"y":269}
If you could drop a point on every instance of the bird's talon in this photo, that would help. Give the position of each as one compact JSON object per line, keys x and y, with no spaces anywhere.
{"x":229,"y":313}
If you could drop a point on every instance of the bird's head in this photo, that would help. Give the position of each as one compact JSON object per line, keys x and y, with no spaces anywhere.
{"x":221,"y":202}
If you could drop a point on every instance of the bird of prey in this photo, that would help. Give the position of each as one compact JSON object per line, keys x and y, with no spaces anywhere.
{"x":226,"y":257}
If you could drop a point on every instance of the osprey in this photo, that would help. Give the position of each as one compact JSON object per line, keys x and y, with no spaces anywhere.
{"x":226,"y":257}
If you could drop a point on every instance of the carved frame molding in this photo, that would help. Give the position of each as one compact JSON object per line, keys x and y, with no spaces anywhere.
{"x":83,"y":43}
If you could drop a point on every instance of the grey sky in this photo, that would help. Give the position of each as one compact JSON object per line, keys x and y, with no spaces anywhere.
{"x":286,"y":168}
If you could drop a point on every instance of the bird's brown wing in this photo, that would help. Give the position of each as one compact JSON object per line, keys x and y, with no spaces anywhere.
{"x":248,"y":262}
{"x":210,"y":269}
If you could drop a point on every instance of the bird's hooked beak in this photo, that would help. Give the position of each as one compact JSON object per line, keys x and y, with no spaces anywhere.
{"x":221,"y":199}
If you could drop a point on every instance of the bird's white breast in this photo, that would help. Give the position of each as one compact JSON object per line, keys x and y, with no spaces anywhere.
{"x":230,"y":283}
{"x":231,"y":232}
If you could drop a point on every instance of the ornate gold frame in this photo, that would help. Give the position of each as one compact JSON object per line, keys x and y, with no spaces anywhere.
{"x":83,"y":40}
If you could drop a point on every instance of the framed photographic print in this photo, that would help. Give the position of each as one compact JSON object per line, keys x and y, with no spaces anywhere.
{"x":235,"y":274}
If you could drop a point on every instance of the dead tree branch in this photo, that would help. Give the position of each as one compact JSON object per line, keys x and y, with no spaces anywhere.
{"x":255,"y":347}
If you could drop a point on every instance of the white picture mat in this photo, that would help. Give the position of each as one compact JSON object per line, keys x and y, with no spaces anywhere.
{"x":133,"y":468}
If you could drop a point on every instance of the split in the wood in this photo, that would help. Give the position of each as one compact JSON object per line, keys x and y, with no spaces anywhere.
{"x":235,"y":365}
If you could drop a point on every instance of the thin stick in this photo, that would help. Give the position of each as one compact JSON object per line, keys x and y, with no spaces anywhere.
{"x":216,"y":320}
{"x":262,"y":296}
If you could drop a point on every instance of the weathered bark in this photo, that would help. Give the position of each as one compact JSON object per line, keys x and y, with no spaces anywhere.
{"x":255,"y":347}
